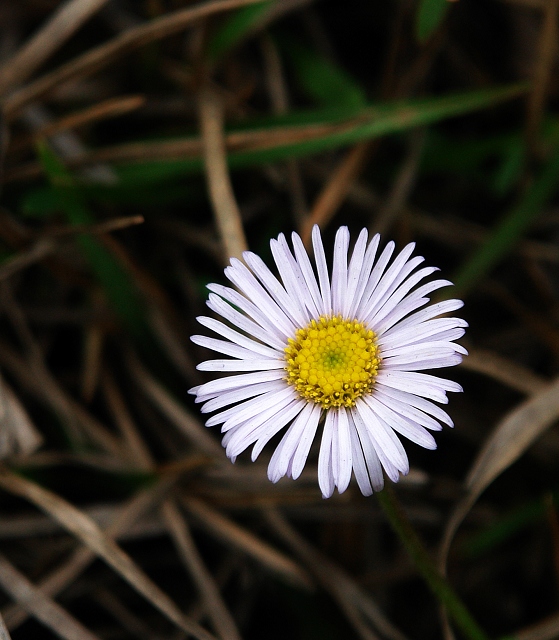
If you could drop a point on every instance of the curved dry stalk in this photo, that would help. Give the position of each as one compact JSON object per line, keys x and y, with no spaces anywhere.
{"x":508,"y":441}
{"x":51,"y":614}
{"x":216,"y":609}
{"x":224,"y":205}
{"x":84,"y":528}
{"x":238,"y":537}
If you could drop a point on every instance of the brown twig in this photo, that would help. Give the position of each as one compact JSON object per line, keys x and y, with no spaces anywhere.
{"x":225,"y":208}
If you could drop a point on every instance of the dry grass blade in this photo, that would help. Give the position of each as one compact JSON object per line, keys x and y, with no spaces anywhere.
{"x":18,"y":435}
{"x":343,"y":589}
{"x":508,"y":441}
{"x":173,"y":411}
{"x":546,"y":630}
{"x":35,"y":377}
{"x":127,"y":516}
{"x":85,"y":529}
{"x":225,"y":208}
{"x":102,"y":110}
{"x":101,"y":56}
{"x":4,"y":635}
{"x":231,"y":533}
{"x":336,"y":189}
{"x":504,"y":370}
{"x":51,"y":614}
{"x":544,"y":66}
{"x":216,"y":609}
{"x":67,"y":19}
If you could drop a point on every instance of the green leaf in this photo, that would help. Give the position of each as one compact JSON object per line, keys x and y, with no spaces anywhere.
{"x":510,"y":230}
{"x":430,"y":14}
{"x":325,"y":82}
{"x":235,"y":28}
{"x":326,"y":131}
{"x":121,"y":292}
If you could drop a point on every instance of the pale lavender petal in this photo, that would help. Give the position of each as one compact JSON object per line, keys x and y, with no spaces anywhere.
{"x":238,"y":338}
{"x":339,"y":270}
{"x":325,"y":477}
{"x":322,"y":270}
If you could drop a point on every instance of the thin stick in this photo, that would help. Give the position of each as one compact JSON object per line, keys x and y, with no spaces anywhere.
{"x":226,"y":211}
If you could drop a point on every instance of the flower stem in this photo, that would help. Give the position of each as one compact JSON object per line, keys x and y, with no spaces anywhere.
{"x":437,"y":583}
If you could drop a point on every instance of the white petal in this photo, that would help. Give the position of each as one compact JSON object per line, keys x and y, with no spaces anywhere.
{"x":432,"y":311}
{"x":238,"y":395}
{"x":420,"y":384}
{"x":339,"y":270}
{"x":229,"y":349}
{"x":236,"y":337}
{"x":224,"y":309}
{"x":325,"y":477}
{"x":282,"y":456}
{"x":253,"y":311}
{"x":305,"y":442}
{"x":373,"y":454}
{"x":251,"y":408}
{"x":410,"y":430}
{"x":354,"y":271}
{"x":241,"y":365}
{"x":405,"y":409}
{"x":389,"y":449}
{"x":370,"y":255}
{"x":254,"y":291}
{"x":391,"y":300}
{"x":411,"y":400}
{"x":275,"y":288}
{"x":215,"y":387}
{"x":246,"y":434}
{"x":270,"y":431}
{"x":284,"y":261}
{"x":308,"y":274}
{"x":343,"y":451}
{"x":399,"y":281}
{"x":375,"y":277}
{"x":322,"y":270}
{"x":359,"y":465}
{"x":413,"y":334}
{"x":300,"y":285}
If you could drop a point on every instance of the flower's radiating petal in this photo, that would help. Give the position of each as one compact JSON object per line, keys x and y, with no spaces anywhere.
{"x":236,"y":337}
{"x":322,"y":270}
{"x":385,"y":295}
{"x":339,"y":271}
{"x":224,"y":309}
{"x":325,"y":475}
{"x":220,"y":385}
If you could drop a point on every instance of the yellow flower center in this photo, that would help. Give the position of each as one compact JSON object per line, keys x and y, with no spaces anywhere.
{"x":332,"y":361}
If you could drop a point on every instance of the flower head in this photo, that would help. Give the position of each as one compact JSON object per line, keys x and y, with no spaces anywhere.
{"x":345,"y":350}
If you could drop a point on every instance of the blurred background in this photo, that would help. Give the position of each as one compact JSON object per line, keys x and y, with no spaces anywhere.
{"x":145,"y":142}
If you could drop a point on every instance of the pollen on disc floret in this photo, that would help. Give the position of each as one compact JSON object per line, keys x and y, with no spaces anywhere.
{"x":332,"y":361}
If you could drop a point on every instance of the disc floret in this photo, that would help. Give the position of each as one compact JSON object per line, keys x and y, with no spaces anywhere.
{"x":332,"y":361}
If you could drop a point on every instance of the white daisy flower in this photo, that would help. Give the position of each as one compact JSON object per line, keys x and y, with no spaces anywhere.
{"x":346,"y":352}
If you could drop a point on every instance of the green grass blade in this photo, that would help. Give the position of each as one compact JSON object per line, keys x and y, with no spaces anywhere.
{"x":323,"y":81}
{"x":121,"y":292}
{"x":510,"y":230}
{"x":430,"y":14}
{"x":234,"y":29}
